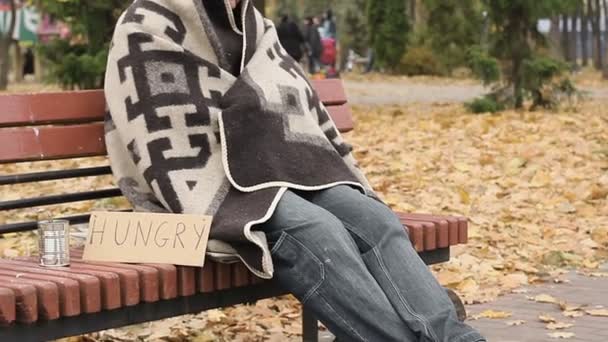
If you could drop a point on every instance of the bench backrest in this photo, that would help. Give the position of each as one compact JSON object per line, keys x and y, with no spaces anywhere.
{"x":62,"y":125}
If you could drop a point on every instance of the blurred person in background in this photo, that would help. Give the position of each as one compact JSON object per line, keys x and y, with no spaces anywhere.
{"x":313,"y":43}
{"x":291,"y":37}
{"x":329,"y":25}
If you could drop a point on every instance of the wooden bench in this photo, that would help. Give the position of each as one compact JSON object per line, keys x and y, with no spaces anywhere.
{"x":40,"y":303}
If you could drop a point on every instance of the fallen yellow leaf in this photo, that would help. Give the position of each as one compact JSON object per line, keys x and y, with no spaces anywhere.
{"x":493,"y":314}
{"x":562,"y":335}
{"x":573,"y":314}
{"x":546,"y":318}
{"x":515,"y":322}
{"x":544,"y":298}
{"x":559,"y":325}
{"x":598,"y":312}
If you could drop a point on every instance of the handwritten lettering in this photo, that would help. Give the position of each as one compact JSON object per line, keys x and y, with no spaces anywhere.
{"x":177,"y":239}
{"x":97,"y":231}
{"x":141,"y":232}
{"x":178,"y":233}
{"x":156,"y":236}
{"x":200,"y":235}
{"x":126,"y":234}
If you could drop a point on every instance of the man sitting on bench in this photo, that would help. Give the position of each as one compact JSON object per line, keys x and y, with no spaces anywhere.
{"x":209,"y":115}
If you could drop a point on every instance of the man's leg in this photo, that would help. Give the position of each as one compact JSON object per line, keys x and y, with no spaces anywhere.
{"x":317,"y":260}
{"x":386,"y":250}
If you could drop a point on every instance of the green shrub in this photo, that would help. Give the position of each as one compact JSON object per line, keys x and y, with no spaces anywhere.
{"x":72,"y":66}
{"x":485,"y":104}
{"x":420,"y":60}
{"x":483,"y":66}
{"x":543,"y":83}
{"x":389,"y":29}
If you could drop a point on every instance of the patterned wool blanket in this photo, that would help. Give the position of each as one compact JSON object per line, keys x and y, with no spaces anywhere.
{"x":186,"y":136}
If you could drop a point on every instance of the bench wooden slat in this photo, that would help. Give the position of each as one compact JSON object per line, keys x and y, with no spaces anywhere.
{"x":26,"y":301}
{"x":186,"y":279}
{"x":454,"y":225}
{"x":148,"y":277}
{"x":51,"y":142}
{"x":89,"y":105}
{"x":66,"y":290}
{"x":331,"y":91}
{"x":83,"y":140}
{"x":223,"y":276}
{"x":46,"y":292}
{"x":441,"y":226}
{"x":128,"y":280}
{"x":113,"y":288}
{"x":162,"y":276}
{"x":416,"y":234}
{"x":7,"y":306}
{"x":204,"y":278}
{"x":343,"y":117}
{"x":240,"y":275}
{"x":55,"y":107}
{"x":92,"y":298}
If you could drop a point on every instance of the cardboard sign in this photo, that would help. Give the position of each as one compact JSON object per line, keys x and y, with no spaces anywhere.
{"x":146,"y":237}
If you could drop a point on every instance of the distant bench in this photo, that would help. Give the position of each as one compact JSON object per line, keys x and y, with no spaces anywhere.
{"x":40,"y":303}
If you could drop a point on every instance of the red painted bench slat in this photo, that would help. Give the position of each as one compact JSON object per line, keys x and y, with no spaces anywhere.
{"x":82,"y":140}
{"x":66,"y":290}
{"x":89,"y":105}
{"x":90,"y":286}
{"x":46,"y":292}
{"x":56,"y":107}
{"x":51,"y":142}
{"x":7,"y":306}
{"x":26,"y":301}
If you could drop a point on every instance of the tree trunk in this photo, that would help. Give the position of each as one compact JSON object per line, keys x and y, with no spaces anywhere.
{"x":555,"y":37}
{"x":598,"y":39}
{"x":605,"y":69}
{"x":5,"y":44}
{"x":566,"y":37}
{"x":574,"y":39}
{"x":597,"y":34}
{"x":412,"y":12}
{"x":518,"y":33}
{"x":17,"y":63}
{"x":584,"y":34}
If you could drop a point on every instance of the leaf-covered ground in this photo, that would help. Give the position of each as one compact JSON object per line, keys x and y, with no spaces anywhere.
{"x":534,"y":185}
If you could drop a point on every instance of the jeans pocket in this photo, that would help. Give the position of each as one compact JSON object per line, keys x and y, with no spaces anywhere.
{"x":296,"y":268}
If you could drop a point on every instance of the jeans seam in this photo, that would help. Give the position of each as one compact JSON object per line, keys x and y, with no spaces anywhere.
{"x":344,"y":321}
{"x":279,"y":243}
{"x":403,"y":301}
{"x":315,"y":259}
{"x":352,"y":229}
{"x":478,"y":337}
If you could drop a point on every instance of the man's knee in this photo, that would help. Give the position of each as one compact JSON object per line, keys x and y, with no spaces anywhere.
{"x":376,"y":227}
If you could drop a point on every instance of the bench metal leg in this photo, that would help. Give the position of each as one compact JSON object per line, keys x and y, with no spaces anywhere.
{"x":310,"y":326}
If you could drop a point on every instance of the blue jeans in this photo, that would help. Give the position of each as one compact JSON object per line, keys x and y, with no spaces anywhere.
{"x":347,"y":258}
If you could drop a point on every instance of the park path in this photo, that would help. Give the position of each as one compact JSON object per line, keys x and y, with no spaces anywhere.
{"x":591,"y":292}
{"x":576,"y":290}
{"x":405,"y":91}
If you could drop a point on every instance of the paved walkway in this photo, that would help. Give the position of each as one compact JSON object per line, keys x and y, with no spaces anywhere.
{"x":577,"y":290}
{"x":402,"y":92}
{"x":580,"y":290}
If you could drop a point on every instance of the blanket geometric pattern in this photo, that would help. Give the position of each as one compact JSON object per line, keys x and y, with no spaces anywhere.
{"x":186,"y":136}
